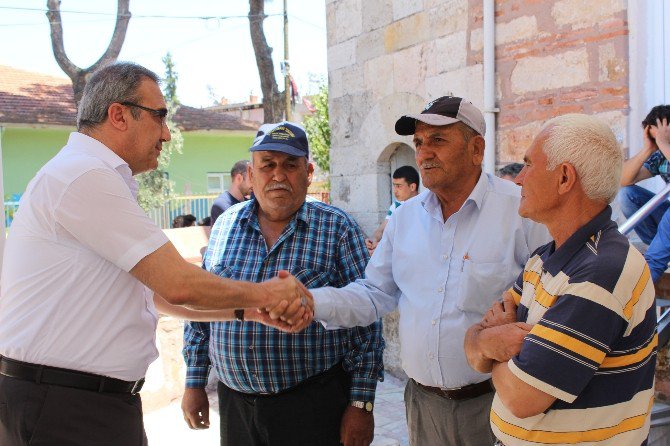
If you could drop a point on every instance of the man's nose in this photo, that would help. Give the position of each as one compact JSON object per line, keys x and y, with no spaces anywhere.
{"x":165,"y":132}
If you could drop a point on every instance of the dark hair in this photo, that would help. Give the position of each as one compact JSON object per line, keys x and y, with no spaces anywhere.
{"x":407,"y":173}
{"x":117,"y":82}
{"x":658,"y":112}
{"x":512,"y":169}
{"x":183,"y":221}
{"x":239,"y":167}
{"x":207,"y":221}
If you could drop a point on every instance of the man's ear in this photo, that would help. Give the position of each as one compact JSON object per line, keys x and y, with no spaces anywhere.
{"x":310,"y":172}
{"x":117,"y":117}
{"x":250,"y":171}
{"x":567,"y":177}
{"x":477,"y":144}
{"x":412,"y":187}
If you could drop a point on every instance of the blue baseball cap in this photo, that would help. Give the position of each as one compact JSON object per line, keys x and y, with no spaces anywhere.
{"x":286,"y":137}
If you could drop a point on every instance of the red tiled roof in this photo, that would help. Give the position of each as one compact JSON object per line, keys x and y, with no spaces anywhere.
{"x":33,"y":98}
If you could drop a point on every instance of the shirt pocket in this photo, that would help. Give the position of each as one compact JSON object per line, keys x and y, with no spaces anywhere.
{"x":481,"y":284}
{"x":312,"y":278}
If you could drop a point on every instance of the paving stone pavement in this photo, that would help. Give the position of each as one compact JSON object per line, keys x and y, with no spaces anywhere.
{"x":166,"y":426}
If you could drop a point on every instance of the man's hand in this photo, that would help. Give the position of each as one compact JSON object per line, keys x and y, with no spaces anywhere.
{"x":371,"y":245}
{"x":662,"y":135}
{"x":301,"y":316}
{"x":195,"y":406}
{"x":649,"y":145}
{"x":357,"y":427}
{"x":502,"y":342}
{"x":285,"y":288}
{"x":501,"y":313}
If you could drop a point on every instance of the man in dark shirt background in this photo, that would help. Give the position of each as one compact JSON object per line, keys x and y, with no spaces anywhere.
{"x":240,"y":188}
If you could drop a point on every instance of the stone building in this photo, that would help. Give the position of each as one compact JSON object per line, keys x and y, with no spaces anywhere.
{"x":542,"y":58}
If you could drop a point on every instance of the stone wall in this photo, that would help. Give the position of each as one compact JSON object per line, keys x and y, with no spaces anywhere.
{"x":389,"y":57}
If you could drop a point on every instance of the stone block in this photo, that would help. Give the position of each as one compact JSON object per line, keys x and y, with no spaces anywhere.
{"x":376,"y":13}
{"x":346,"y":116}
{"x":449,"y":17}
{"x":370,"y":45}
{"x":429,"y":4}
{"x":513,"y":143}
{"x":404,"y":8}
{"x":467,"y":82}
{"x":567,"y":69}
{"x":353,"y":80}
{"x":348,"y":20}
{"x":409,"y":69}
{"x":521,"y":28}
{"x":583,"y":14}
{"x":342,"y":55}
{"x":449,"y":53}
{"x":611,"y":67}
{"x":330,"y":24}
{"x":406,"y":32}
{"x":379,"y":76}
{"x":477,"y":40}
{"x":335,"y":85}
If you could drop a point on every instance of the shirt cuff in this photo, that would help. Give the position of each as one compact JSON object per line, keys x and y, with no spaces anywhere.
{"x":323,"y":307}
{"x":362,"y":389}
{"x":196,"y":377}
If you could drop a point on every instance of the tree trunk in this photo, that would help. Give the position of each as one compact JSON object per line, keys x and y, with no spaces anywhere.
{"x":79,"y":76}
{"x":273,"y":105}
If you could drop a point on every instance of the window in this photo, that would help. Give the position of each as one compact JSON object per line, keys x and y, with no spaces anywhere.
{"x":217,"y":182}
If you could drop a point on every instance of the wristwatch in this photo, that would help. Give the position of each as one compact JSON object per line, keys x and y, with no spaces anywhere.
{"x":365,"y":405}
{"x":239,"y":315}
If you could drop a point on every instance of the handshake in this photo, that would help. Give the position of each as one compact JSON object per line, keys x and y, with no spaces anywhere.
{"x":288,"y":305}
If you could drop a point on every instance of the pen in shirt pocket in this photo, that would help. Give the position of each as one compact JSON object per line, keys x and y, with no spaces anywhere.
{"x":466,"y":257}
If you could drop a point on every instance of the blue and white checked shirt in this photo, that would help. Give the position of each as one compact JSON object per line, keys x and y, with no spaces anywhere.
{"x":321,"y":246}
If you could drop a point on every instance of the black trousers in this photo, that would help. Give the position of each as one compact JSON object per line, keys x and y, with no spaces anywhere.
{"x":47,"y":415}
{"x":307,"y":415}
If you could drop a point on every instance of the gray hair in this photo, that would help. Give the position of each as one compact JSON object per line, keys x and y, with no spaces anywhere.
{"x":117,"y":82}
{"x":590,"y":146}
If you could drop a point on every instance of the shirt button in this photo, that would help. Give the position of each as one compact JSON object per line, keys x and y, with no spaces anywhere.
{"x":433,"y":322}
{"x":251,"y":347}
{"x":430,"y":355}
{"x":445,"y":257}
{"x":440,"y":290}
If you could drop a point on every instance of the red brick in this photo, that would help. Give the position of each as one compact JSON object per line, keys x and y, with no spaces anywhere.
{"x":508,"y":120}
{"x":615,"y":104}
{"x":579,"y":95}
{"x":615,"y":91}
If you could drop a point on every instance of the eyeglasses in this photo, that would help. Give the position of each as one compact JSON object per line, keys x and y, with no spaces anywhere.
{"x":157,"y":112}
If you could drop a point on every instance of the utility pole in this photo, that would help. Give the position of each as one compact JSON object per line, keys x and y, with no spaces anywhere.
{"x":287,"y":71}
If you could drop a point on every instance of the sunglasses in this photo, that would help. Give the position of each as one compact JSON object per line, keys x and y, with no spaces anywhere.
{"x":157,"y":112}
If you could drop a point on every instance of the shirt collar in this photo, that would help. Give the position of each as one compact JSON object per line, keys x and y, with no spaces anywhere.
{"x":560,"y":257}
{"x":81,"y":143}
{"x":431,"y":203}
{"x":250,"y":214}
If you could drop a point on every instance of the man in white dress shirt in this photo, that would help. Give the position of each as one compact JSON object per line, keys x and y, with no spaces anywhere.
{"x":77,"y":311}
{"x":445,"y":256}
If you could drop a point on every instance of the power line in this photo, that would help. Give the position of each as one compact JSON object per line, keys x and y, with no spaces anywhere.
{"x":143,"y":16}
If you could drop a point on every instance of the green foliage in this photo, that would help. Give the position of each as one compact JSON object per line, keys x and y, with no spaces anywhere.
{"x":155,"y":186}
{"x":318,"y":130}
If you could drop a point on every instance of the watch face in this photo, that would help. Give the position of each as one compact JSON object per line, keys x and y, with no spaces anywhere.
{"x":368,"y":406}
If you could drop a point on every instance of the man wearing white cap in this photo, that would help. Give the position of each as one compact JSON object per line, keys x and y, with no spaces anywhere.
{"x":466,"y":246}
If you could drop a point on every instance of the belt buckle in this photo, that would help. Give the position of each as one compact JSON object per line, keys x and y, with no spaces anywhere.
{"x":137,"y":386}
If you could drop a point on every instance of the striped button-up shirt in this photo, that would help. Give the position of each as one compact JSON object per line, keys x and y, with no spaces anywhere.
{"x":321,"y":246}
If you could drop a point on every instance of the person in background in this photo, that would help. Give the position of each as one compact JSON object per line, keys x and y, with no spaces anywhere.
{"x":405,"y":186}
{"x":183,"y":221}
{"x":509,"y":171}
{"x":240,"y":188}
{"x":572,"y":346}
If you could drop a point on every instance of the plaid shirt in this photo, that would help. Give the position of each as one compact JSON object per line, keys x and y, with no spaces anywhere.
{"x":656,"y":164}
{"x":321,"y":246}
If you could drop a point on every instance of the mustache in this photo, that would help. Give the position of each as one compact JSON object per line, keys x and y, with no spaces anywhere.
{"x":278,"y":186}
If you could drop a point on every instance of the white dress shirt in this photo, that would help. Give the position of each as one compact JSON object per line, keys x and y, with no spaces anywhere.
{"x":67,"y":298}
{"x":442,"y":276}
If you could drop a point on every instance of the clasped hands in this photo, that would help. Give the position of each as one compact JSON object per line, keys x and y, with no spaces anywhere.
{"x":289,"y":306}
{"x":497,"y":337}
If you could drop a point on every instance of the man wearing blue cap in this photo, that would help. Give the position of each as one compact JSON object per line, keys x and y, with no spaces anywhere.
{"x":313,"y":387}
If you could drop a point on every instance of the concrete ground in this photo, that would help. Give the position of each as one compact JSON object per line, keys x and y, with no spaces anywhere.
{"x":166,"y":426}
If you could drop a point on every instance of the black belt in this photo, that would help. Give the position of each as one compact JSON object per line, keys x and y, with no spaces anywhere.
{"x":461,"y":393}
{"x":43,"y":374}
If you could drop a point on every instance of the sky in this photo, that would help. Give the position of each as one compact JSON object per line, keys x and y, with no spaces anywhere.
{"x":209,"y":41}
